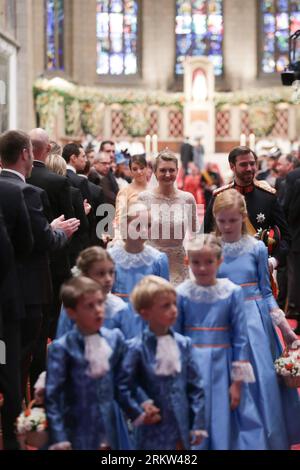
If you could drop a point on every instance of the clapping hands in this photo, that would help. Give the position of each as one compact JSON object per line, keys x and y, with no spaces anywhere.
{"x":68,"y":226}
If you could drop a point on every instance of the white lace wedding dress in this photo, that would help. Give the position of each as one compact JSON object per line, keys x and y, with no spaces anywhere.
{"x":172,"y":220}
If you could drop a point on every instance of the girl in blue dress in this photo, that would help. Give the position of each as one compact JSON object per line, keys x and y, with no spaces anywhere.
{"x":96,"y":263}
{"x":162,"y":364}
{"x":134,"y":260}
{"x":211,"y":314}
{"x":246,"y":263}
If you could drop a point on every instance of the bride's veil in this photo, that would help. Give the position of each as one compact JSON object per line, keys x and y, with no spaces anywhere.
{"x":152,"y":183}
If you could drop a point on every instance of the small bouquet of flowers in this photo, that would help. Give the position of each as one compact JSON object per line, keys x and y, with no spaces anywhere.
{"x":32,"y":423}
{"x":287,"y":366}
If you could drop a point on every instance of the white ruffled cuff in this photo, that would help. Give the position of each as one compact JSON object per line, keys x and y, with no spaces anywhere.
{"x":277,"y":316}
{"x":199,"y":432}
{"x":242,"y":372}
{"x":41,"y":381}
{"x":273,"y":261}
{"x":139,"y":420}
{"x":64,"y":445}
{"x":148,"y":401}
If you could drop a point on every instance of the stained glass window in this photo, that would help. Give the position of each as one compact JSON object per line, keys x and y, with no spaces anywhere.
{"x":199,"y":31}
{"x":4,"y":84}
{"x":280,"y":19}
{"x":54,"y":34}
{"x":117,"y":37}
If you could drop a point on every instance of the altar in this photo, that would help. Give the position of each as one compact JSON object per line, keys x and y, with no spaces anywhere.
{"x":199,"y":107}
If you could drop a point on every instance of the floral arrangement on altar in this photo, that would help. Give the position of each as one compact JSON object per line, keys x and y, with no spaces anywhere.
{"x":288,"y":367}
{"x":262,"y":118}
{"x":136,"y":119}
{"x":261,"y":96}
{"x":115,"y":96}
{"x":83,"y":107}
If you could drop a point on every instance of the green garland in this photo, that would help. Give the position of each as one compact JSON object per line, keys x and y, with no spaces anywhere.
{"x":106,"y":96}
{"x":260,"y":96}
{"x":84,"y":106}
{"x":262,"y":118}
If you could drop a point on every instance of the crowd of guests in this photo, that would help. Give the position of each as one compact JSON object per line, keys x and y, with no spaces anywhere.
{"x":282,"y":173}
{"x":115,"y":355}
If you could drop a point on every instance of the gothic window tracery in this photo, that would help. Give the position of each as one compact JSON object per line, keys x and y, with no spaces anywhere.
{"x":117,"y":37}
{"x":280,"y":18}
{"x":199,"y":31}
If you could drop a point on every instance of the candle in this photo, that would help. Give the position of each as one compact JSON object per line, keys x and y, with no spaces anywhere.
{"x":242,"y":140}
{"x":147,"y":145}
{"x":154,"y":144}
{"x":252,"y":141}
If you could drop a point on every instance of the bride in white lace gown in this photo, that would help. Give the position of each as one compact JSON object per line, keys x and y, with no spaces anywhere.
{"x":173,"y":215}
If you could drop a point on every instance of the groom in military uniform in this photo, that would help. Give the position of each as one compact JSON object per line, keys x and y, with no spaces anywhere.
{"x":265,"y":215}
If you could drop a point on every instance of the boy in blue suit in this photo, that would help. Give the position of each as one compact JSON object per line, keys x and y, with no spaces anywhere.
{"x":161,"y":363}
{"x":81,"y":370}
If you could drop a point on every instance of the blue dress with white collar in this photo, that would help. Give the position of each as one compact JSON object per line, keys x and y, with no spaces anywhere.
{"x":130,"y":268}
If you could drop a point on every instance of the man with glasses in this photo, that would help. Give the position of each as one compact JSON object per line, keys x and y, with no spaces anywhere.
{"x":99,"y":174}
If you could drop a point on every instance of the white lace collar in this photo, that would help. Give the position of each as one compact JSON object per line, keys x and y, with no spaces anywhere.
{"x":208,"y":294}
{"x":178,"y":194}
{"x":133,"y":260}
{"x":97,"y":353}
{"x":240,"y":247}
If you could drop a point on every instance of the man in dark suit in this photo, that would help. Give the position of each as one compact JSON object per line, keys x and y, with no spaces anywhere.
{"x":186,"y":154}
{"x":97,"y":198}
{"x":18,"y":226}
{"x":57,"y":187}
{"x":6,"y":262}
{"x":34,"y":274}
{"x":9,"y":369}
{"x":6,"y":254}
{"x":290,"y":180}
{"x":285,"y":164}
{"x":264,"y":211}
{"x":108,"y":148}
{"x":292,"y":211}
{"x":76,"y":160}
{"x":99,"y":176}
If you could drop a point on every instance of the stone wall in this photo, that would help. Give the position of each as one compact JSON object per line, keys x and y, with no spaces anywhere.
{"x":157,"y":44}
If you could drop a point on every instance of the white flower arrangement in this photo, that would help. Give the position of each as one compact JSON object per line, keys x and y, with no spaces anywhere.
{"x":136,"y":119}
{"x":32,"y":419}
{"x":289,"y":365}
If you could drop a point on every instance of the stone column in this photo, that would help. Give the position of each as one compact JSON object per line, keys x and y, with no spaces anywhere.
{"x":25,"y":63}
{"x":84,"y":41}
{"x":240,"y":43}
{"x":158,"y":43}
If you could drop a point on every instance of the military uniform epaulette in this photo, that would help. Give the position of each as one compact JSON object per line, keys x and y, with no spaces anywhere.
{"x":223,"y":188}
{"x":264,"y":186}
